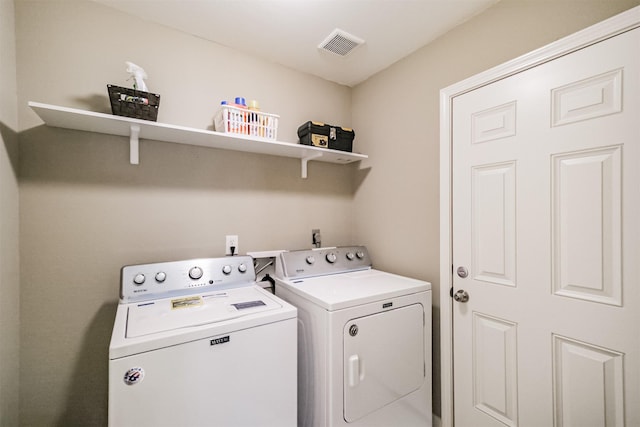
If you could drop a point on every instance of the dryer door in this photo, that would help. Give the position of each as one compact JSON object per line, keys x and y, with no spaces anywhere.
{"x":384,"y":359}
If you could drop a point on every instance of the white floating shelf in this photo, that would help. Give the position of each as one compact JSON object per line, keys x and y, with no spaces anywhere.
{"x":71,"y":118}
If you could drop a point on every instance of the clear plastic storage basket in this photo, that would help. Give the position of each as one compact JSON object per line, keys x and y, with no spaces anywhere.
{"x":230,"y":119}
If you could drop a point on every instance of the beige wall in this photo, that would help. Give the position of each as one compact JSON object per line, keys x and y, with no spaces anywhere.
{"x":9,"y":266}
{"x":85,"y":212}
{"x":396,"y":116}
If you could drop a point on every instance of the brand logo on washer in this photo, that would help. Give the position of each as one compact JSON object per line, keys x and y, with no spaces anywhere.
{"x":221,"y":340}
{"x":134,"y":376}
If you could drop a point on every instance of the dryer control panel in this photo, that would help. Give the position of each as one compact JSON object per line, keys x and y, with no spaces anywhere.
{"x":167,"y":279}
{"x":320,"y":262}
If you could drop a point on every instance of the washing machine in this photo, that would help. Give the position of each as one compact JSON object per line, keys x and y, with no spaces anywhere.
{"x":199,"y":343}
{"x":364,"y":339}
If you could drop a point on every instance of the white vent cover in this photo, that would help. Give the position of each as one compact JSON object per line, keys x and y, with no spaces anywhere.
{"x":340,"y":42}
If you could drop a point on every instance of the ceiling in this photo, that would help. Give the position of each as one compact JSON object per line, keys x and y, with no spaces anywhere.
{"x":289,"y":32}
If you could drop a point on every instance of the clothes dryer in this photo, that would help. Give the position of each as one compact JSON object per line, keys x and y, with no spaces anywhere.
{"x":364,"y":340}
{"x":198,"y":343}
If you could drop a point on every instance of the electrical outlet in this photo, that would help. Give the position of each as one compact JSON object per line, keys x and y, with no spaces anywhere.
{"x":316,"y":239}
{"x":232,"y":240}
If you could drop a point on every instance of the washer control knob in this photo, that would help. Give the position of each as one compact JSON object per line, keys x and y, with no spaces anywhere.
{"x":161,"y":276}
{"x":139,"y":279}
{"x":360,"y":254}
{"x":331,"y":257}
{"x":195,"y":273}
{"x":350,"y":256}
{"x":242,"y":268}
{"x":226,"y":269}
{"x":310,"y":259}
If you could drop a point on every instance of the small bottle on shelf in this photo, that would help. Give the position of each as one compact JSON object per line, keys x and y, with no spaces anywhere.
{"x":241,"y":116}
{"x":255,"y":127}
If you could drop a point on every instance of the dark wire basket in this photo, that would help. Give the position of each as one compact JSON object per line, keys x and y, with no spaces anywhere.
{"x":133,"y":103}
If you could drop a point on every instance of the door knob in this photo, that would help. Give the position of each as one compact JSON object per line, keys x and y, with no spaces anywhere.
{"x":461,"y":296}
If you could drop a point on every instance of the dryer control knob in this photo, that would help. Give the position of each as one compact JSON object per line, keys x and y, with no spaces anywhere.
{"x":242,"y":268}
{"x":310,"y":259}
{"x":139,"y":279}
{"x":161,"y":276}
{"x":360,"y":254}
{"x":350,"y":256}
{"x":331,"y":257}
{"x":226,"y":269}
{"x":195,"y":273}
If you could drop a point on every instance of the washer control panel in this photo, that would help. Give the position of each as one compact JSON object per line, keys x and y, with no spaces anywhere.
{"x":167,"y":279}
{"x":323,"y":261}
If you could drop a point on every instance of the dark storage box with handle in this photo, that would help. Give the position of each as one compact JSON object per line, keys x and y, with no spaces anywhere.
{"x":326,"y":136}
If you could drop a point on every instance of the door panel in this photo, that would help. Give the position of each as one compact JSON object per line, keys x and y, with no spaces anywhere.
{"x":588,"y":384}
{"x":546,"y":218}
{"x":495,"y":368}
{"x":493,"y":223}
{"x":384,"y":359}
{"x":587,"y":99}
{"x":587,"y":225}
{"x":494,"y":123}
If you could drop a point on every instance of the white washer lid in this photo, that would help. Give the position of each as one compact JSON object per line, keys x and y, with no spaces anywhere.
{"x":167,"y":314}
{"x":338,"y":291}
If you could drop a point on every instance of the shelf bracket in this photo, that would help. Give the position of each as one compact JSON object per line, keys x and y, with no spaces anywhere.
{"x":134,"y":148}
{"x":305,"y":160}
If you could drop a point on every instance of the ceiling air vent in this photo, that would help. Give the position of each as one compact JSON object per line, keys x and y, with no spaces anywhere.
{"x":340,"y":43}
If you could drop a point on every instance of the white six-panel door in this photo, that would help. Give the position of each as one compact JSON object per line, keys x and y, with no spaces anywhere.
{"x":546,"y":223}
